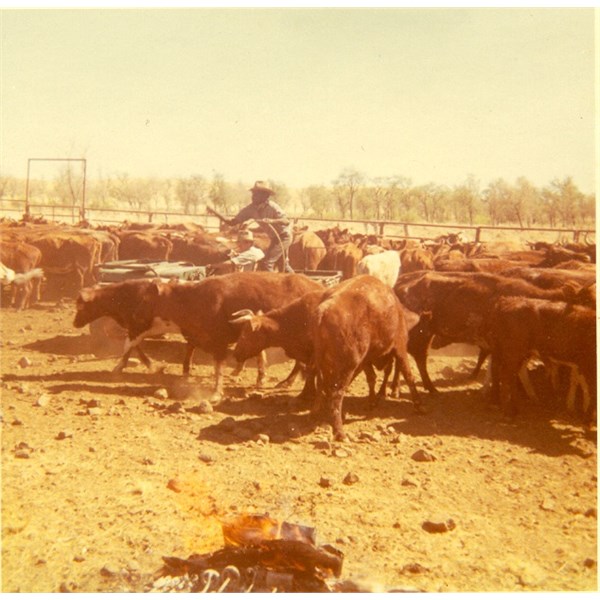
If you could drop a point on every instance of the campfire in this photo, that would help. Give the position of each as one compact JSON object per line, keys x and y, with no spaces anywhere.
{"x":261,"y":554}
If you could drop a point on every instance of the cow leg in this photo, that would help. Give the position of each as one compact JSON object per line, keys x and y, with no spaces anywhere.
{"x":523,"y":376}
{"x":403,"y":366}
{"x":187,"y":359}
{"x":371,"y":380}
{"x":123,"y":360}
{"x":261,"y":368}
{"x":239,"y":367}
{"x":217,"y":394}
{"x":297,"y":368}
{"x":310,"y":385}
{"x":483,"y":354}
{"x":144,"y":357}
{"x":418,"y":346}
{"x":336,"y":406}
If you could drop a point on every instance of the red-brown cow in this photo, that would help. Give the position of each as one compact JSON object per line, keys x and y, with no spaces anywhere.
{"x":199,"y":310}
{"x":557,"y":332}
{"x":358,"y":325}
{"x":23,"y":259}
{"x":456,"y":307}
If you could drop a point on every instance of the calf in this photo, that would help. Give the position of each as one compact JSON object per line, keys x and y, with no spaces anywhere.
{"x":384,"y":265}
{"x":357,"y":325}
{"x":557,"y":332}
{"x":202,"y":310}
{"x":286,"y":327}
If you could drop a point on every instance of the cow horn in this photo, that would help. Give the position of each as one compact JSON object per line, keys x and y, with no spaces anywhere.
{"x":241,"y":316}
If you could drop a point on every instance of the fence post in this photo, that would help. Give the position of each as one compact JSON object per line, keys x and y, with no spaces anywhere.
{"x":477,"y":235}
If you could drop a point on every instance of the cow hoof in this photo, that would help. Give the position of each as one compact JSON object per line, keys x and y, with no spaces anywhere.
{"x":216,"y":398}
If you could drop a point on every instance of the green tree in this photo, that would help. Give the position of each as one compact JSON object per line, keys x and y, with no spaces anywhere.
{"x":191,"y":193}
{"x":497,"y":197}
{"x":345,"y":191}
{"x":465,"y":199}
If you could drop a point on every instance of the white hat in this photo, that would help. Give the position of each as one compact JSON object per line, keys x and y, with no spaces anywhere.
{"x":245,"y":236}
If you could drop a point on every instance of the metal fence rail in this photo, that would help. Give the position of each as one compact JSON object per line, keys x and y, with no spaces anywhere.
{"x":392,"y":229}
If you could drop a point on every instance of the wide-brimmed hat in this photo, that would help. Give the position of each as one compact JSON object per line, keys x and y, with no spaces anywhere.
{"x":245,"y":236}
{"x":261,"y":186}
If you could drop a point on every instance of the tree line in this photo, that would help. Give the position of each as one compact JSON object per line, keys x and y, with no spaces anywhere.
{"x":351,"y":195}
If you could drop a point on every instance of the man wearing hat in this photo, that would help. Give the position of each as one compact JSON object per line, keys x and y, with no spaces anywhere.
{"x":244,"y":260}
{"x":272,"y":221}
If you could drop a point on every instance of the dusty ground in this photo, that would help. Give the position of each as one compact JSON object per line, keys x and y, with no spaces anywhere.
{"x":87,"y":457}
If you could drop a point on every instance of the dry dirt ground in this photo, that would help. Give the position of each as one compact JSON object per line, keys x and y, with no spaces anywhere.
{"x":87,"y":457}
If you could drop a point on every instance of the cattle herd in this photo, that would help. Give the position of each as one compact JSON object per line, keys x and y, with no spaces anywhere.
{"x":515,"y":301}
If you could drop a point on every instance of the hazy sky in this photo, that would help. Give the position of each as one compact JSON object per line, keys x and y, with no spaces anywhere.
{"x":298,"y":95}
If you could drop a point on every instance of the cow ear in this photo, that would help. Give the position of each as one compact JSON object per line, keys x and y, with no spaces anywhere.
{"x":153,"y":290}
{"x":411,"y":318}
{"x":86,"y":294}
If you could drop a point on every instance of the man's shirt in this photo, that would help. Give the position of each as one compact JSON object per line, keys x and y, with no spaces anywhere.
{"x":265,"y":210}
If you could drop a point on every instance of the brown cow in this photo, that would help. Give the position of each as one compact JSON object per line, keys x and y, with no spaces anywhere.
{"x":456,"y":307}
{"x":358,"y":325}
{"x":199,"y":310}
{"x":557,"y":332}
{"x":144,"y":245}
{"x":342,"y":257}
{"x":69,"y":255}
{"x":22,"y":258}
{"x":306,"y":251}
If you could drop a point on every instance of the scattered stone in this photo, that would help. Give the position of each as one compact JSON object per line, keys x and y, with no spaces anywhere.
{"x":325,"y":482}
{"x":591,"y":512}
{"x":513,"y":487}
{"x":547,"y":504}
{"x":133,"y":565}
{"x":369,"y":437}
{"x":439,"y":525}
{"x":406,"y":482}
{"x":423,"y":456}
{"x":134,"y":362}
{"x":206,"y":458}
{"x":414,"y":569}
{"x":109,"y":570}
{"x":321,"y":445}
{"x":43,"y":400}
{"x":23,"y":453}
{"x":204,"y":407}
{"x":94,"y":411}
{"x":147,"y":461}
{"x":255,"y":396}
{"x":340,"y":453}
{"x":64,"y":588}
{"x":174,"y":485}
{"x":17,"y":422}
{"x":63,"y":435}
{"x":350,"y":479}
{"x":79,"y":558}
{"x":161,"y":394}
{"x":176,"y":407}
{"x":22,"y":388}
{"x":447,"y":372}
{"x":263,"y":437}
{"x":590,"y":563}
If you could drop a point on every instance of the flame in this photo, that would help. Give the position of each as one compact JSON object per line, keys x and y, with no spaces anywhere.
{"x":203,"y":531}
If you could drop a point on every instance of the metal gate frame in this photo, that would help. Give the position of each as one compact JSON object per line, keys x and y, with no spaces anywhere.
{"x":82,"y":160}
